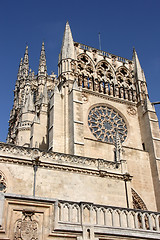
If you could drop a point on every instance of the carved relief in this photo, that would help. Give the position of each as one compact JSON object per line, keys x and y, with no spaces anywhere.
{"x":26,"y":228}
{"x":131,"y":111}
{"x":84,"y":98}
{"x":137,"y":201}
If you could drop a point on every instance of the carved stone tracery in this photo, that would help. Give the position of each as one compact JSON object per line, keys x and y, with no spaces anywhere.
{"x":137,"y":201}
{"x":104,"y":123}
{"x":104,"y":77}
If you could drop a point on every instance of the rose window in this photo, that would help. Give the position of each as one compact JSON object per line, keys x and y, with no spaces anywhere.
{"x":104,"y":122}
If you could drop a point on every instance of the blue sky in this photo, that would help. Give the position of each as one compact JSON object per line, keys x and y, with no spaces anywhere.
{"x":122,"y":24}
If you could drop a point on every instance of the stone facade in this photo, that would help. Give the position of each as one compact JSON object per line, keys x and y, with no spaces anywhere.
{"x":82,"y":154}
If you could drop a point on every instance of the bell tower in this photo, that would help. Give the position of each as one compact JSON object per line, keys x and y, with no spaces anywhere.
{"x":28,"y":124}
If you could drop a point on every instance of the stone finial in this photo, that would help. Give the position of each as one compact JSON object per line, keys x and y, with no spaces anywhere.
{"x":42,"y":62}
{"x":67,"y":49}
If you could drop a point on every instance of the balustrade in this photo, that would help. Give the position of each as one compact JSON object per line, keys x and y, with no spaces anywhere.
{"x":102,"y":53}
{"x":105,"y":216}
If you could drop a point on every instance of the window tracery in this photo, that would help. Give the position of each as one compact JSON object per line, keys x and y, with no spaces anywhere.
{"x":103,"y":78}
{"x":104,"y":122}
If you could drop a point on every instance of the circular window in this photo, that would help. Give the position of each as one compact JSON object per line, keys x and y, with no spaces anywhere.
{"x":104,"y":122}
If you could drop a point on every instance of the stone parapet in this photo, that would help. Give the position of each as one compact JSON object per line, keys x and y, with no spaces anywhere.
{"x":51,"y":217}
{"x":9,"y":153}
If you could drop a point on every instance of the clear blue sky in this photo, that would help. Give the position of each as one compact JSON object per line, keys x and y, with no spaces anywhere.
{"x":122,"y":24}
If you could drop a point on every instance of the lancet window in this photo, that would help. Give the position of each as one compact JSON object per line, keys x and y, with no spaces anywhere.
{"x":85,"y":69}
{"x":125,"y":84}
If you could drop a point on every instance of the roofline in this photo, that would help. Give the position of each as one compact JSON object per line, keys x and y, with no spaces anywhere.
{"x":103,"y":53}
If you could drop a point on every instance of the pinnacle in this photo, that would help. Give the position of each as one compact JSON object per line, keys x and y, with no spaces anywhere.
{"x":138,"y":68}
{"x":42,"y":61}
{"x":67,"y":49}
{"x":26,"y":51}
{"x":26,"y":56}
{"x":42,"y":49}
{"x":21,"y":62}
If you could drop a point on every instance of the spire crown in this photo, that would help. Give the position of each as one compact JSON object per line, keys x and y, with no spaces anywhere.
{"x":26,"y":63}
{"x":42,"y":62}
{"x":26,"y":60}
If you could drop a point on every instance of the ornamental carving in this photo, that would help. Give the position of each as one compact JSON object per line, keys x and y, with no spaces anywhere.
{"x":104,"y":123}
{"x":26,"y":228}
{"x":84,"y":98}
{"x":105,"y":77}
{"x":137,"y":201}
{"x":131,"y":111}
{"x":3,"y":182}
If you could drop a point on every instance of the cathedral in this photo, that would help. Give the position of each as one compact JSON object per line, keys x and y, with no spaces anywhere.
{"x":82,"y":157}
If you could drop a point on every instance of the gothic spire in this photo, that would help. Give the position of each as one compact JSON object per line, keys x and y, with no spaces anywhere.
{"x":67,"y":49}
{"x":138,"y":70}
{"x":26,"y":63}
{"x":42,"y":62}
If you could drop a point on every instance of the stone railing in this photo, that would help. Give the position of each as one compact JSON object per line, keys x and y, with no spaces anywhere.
{"x":102,"y":53}
{"x":83,"y":220}
{"x":107,"y":217}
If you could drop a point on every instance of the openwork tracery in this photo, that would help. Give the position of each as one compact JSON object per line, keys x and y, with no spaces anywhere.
{"x":104,"y":122}
{"x":125,"y":84}
{"x":84,"y":69}
{"x":104,"y":77}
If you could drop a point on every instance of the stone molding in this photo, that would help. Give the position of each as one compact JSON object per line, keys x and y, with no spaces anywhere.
{"x":107,"y":97}
{"x":60,"y":161}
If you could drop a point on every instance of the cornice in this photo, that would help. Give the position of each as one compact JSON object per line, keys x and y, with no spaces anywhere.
{"x":107,"y":97}
{"x":12,"y":154}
